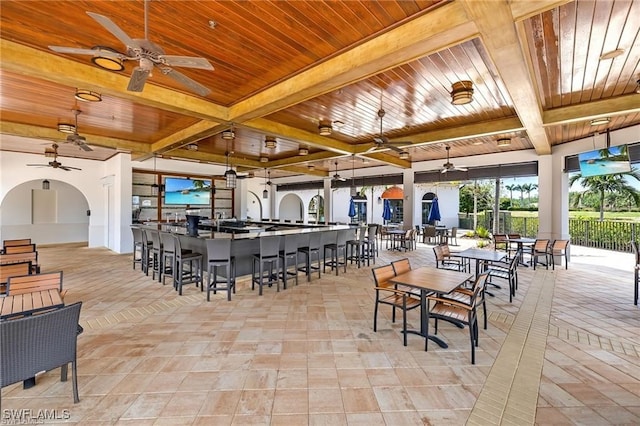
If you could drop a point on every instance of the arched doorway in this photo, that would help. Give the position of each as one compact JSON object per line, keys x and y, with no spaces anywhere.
{"x":59,"y":214}
{"x":316,"y":209}
{"x":291,"y":208}
{"x":254,"y":206}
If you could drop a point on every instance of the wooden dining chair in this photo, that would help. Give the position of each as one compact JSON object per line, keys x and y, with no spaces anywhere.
{"x":452,"y":311}
{"x":540,"y":249}
{"x":560,"y":248}
{"x":13,"y":269}
{"x":387,"y":294}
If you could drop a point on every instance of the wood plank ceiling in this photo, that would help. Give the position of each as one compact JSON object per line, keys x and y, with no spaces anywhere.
{"x":283,"y":68}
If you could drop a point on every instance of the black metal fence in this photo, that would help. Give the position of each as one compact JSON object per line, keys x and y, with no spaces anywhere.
{"x":608,"y":235}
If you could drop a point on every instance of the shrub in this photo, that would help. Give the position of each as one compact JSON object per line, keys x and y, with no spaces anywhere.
{"x":482,"y":243}
{"x":482,"y":232}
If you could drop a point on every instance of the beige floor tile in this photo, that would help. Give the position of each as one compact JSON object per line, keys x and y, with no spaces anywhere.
{"x":152,"y":357}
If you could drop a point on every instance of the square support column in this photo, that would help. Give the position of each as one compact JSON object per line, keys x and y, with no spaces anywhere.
{"x":408,"y":207}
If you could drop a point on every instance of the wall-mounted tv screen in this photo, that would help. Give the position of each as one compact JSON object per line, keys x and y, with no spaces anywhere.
{"x":187,"y":191}
{"x":605,"y":161}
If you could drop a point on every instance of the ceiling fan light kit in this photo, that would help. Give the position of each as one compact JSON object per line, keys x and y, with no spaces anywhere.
{"x":53,"y":152}
{"x":87,"y":95}
{"x":502,"y":142}
{"x":461,"y":92}
{"x":109,"y":63}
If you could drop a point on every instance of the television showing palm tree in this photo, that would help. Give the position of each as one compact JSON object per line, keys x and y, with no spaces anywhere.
{"x":605,"y":161}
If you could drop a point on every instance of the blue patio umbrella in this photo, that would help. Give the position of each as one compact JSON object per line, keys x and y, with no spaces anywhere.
{"x":434,"y":213}
{"x":352,"y":208}
{"x":386,"y":210}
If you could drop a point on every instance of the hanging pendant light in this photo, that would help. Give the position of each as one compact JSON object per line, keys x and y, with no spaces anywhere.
{"x":265,"y":193}
{"x":155,"y":188}
{"x":230,"y":175}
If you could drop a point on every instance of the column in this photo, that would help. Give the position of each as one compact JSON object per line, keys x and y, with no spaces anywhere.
{"x":553,"y":198}
{"x":327,"y":201}
{"x":408,"y":207}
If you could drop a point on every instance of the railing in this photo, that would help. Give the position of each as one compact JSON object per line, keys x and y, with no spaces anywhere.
{"x":608,"y":234}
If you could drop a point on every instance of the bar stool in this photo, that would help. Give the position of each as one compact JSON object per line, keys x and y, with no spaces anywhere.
{"x":289,"y":253}
{"x":218,"y":256}
{"x":336,"y":248}
{"x":138,"y":247}
{"x":146,"y":251}
{"x":191,"y":259}
{"x":310,"y":249}
{"x":357,"y":248}
{"x":168,"y":259}
{"x":156,"y":254}
{"x":268,"y":256}
{"x":371,"y":242}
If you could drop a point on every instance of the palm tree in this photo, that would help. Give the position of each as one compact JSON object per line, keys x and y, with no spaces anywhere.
{"x":525,"y":187}
{"x":521,"y":191}
{"x":529,"y":189}
{"x":601,"y":185}
{"x":511,"y":188}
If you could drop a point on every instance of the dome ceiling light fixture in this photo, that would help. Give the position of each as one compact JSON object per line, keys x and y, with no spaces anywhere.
{"x":324,"y":128}
{"x":303,"y":151}
{"x":87,"y":95}
{"x":264,"y":159}
{"x":600,"y":121}
{"x":228,"y":135}
{"x":404,"y":155}
{"x":502,"y":142}
{"x":270,"y":142}
{"x":462,"y":92}
{"x":66,"y":128}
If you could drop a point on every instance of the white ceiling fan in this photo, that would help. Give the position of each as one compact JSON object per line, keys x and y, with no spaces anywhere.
{"x":146,"y":53}
{"x":75,"y":138}
{"x":448,"y":166}
{"x":53,"y":152}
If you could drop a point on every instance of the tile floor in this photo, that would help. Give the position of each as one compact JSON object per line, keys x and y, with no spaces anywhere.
{"x":566,"y":351}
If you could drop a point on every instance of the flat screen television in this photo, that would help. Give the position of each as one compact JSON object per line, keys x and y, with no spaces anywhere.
{"x":187,"y":191}
{"x":605,"y":161}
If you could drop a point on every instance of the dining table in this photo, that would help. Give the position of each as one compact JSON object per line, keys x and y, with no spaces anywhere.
{"x":429,"y":280}
{"x":25,"y":304}
{"x":521,"y":242}
{"x":396,"y":236}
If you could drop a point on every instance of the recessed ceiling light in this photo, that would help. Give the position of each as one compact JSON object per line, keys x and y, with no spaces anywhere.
{"x":600,"y":121}
{"x":503,"y":142}
{"x":478,"y":142}
{"x":611,"y":54}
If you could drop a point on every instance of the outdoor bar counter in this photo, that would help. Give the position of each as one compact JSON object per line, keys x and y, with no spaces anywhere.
{"x":243,"y":245}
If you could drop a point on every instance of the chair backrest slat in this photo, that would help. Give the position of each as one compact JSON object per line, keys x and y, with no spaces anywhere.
{"x":25,"y":248}
{"x":35,"y":282}
{"x":14,"y":269}
{"x":18,"y":242}
{"x":401,"y":266}
{"x":382,"y":275}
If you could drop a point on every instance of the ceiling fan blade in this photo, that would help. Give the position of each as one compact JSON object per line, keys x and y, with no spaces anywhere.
{"x":186,"y":61}
{"x":462,"y":169}
{"x":394,"y":148}
{"x":84,"y":146}
{"x":444,"y":170}
{"x":138,"y":79}
{"x":380,"y":140}
{"x":38,"y":165}
{"x":92,"y":52}
{"x":110,"y":26}
{"x":190,"y":84}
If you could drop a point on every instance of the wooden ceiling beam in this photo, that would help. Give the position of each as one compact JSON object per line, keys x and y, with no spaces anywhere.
{"x":392,"y":160}
{"x":300,"y":159}
{"x":308,"y":138}
{"x":500,"y":38}
{"x":198,"y":131}
{"x":620,"y":105}
{"x":524,"y":9}
{"x":468,"y":131}
{"x":53,"y":135}
{"x":35,"y":63}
